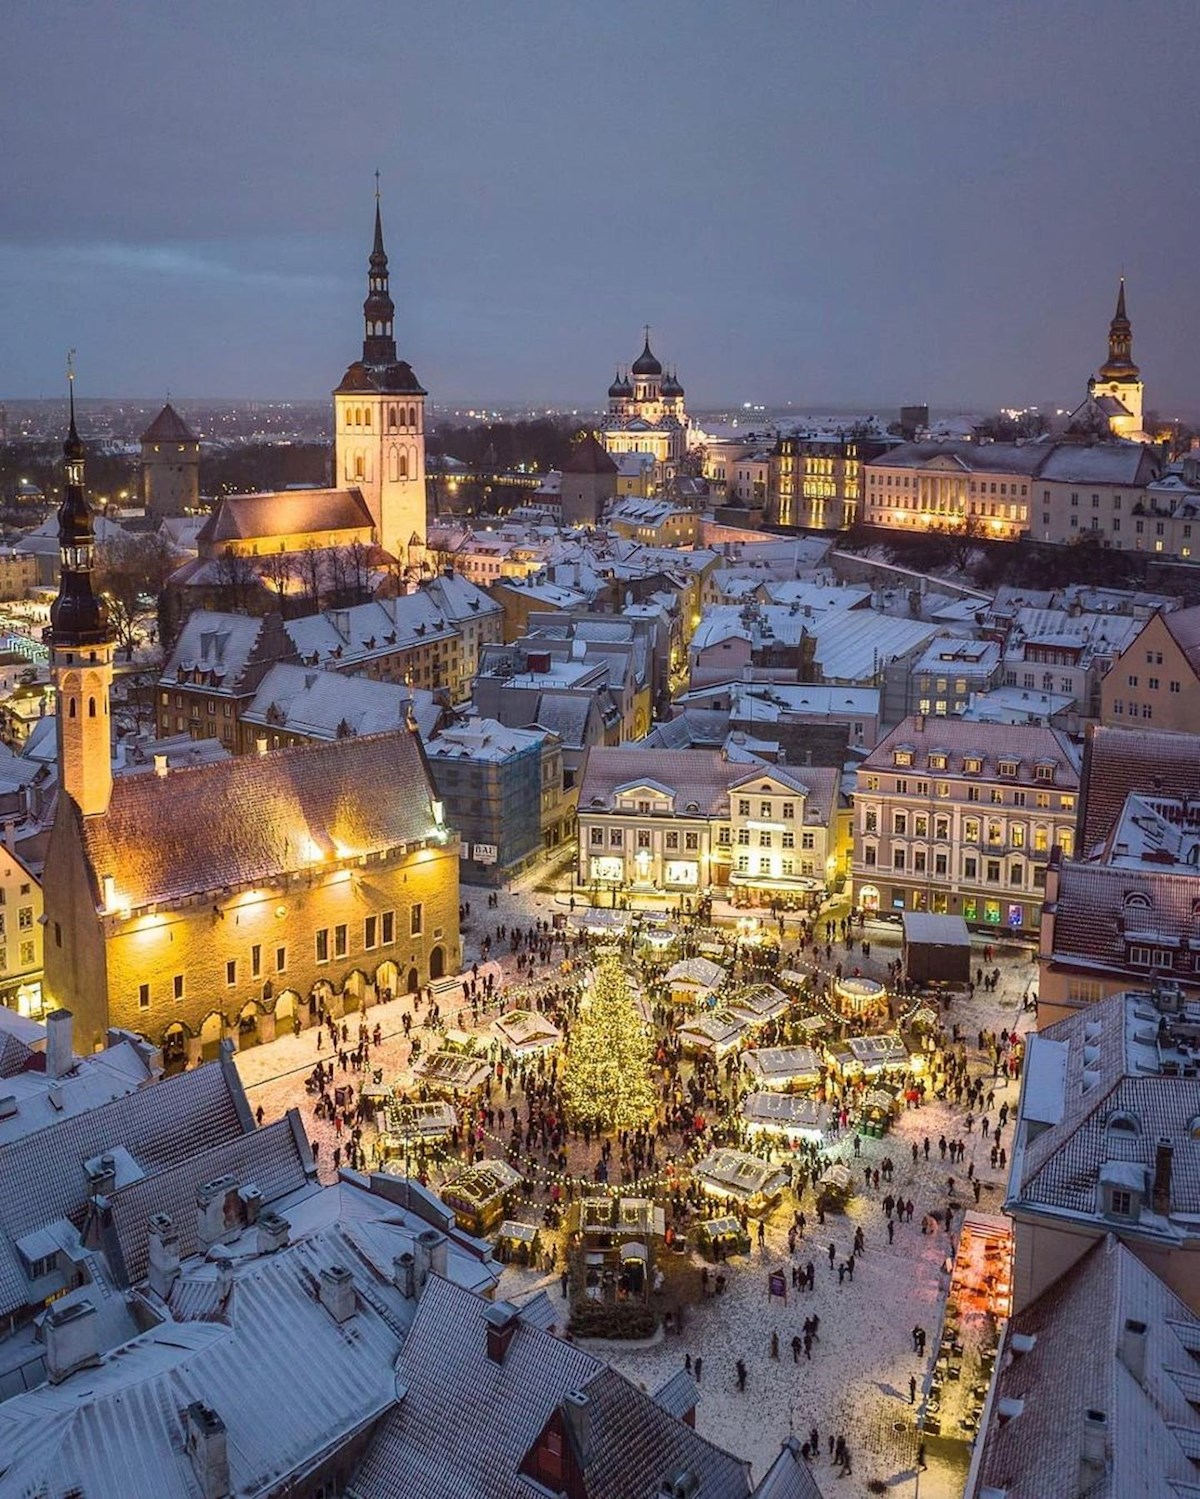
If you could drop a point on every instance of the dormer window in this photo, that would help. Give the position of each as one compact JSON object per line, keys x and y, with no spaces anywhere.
{"x":1122,"y":1123}
{"x":1044,"y":772}
{"x":972,"y":764}
{"x":937,"y":760}
{"x":902,"y":757}
{"x":1008,"y":767}
{"x":1120,"y":1203}
{"x":1137,"y":901}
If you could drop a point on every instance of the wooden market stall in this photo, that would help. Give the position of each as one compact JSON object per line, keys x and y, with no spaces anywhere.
{"x":694,"y":981}
{"x":480,"y":1195}
{"x":745,"y":1178}
{"x":757,"y":1003}
{"x":518,"y":1243}
{"x":715,"y":1034}
{"x":525,"y":1033}
{"x":783,"y":1067}
{"x":879,"y":1107}
{"x":788,"y":1115}
{"x":718,"y":1238}
{"x":616,"y":1240}
{"x":870,"y":1056}
{"x":834,"y":1187}
{"x":453,"y":1072}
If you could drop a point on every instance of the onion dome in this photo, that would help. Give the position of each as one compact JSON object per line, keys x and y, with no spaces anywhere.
{"x":645,"y":363}
{"x":620,"y":386}
{"x":671,"y":385}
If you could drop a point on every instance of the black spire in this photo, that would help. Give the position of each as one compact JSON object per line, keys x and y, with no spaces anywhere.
{"x":77,"y":616}
{"x":379,"y":312}
{"x":1119,"y":364}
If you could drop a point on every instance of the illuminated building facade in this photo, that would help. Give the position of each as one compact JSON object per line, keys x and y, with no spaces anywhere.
{"x":937,"y":486}
{"x":815,"y":482}
{"x":1115,"y":392}
{"x":226,"y":898}
{"x":379,"y":423}
{"x":961,"y":818}
{"x":646,"y":412}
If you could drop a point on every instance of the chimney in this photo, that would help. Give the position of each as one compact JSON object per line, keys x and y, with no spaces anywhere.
{"x":577,"y":1413}
{"x":337,"y":1292}
{"x":72,"y":1337}
{"x":1160,"y":1197}
{"x":60,"y":1036}
{"x":101,"y":1174}
{"x":1093,"y":1450}
{"x":10,"y":835}
{"x":273,"y":1232}
{"x":162,"y":1242}
{"x":205,"y":1444}
{"x":404,"y":1276}
{"x":1131,"y":1349}
{"x":430,"y":1255}
{"x":218,"y":1212}
{"x":160,"y":765}
{"x":260,"y":745}
{"x":501,"y":1319}
{"x":250,"y":1201}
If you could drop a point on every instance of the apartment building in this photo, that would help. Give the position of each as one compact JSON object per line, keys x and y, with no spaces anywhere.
{"x":1156,"y":679}
{"x":961,"y":818}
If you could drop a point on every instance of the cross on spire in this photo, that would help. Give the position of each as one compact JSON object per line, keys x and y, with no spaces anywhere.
{"x":377,"y":184}
{"x":71,"y":384}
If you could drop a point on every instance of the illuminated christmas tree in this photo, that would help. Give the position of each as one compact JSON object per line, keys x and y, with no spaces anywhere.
{"x":607,"y":1074}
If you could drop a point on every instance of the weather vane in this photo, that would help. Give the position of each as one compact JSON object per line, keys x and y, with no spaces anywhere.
{"x":71,"y":365}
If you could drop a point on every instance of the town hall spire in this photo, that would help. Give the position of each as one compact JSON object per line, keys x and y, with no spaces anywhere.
{"x":379,"y":312}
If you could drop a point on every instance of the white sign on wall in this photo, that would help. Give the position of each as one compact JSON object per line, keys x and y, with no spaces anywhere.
{"x":485,"y":853}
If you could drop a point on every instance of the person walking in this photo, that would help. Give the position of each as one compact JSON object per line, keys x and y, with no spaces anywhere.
{"x":698,"y":1368}
{"x":796,"y":1349}
{"x":912,"y":1389}
{"x":741,"y":1374}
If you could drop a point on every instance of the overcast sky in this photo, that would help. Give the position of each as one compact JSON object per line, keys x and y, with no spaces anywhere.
{"x":847,"y":203}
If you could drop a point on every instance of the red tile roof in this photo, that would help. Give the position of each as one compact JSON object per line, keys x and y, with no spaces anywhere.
{"x":1118,"y":761}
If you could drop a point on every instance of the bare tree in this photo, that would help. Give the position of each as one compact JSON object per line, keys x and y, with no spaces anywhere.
{"x":131,"y":572}
{"x":279,"y":572}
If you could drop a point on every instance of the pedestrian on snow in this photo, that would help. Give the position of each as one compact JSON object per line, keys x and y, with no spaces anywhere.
{"x":741,"y":1374}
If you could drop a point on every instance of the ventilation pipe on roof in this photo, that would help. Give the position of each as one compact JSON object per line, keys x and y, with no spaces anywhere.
{"x":205,"y":1443}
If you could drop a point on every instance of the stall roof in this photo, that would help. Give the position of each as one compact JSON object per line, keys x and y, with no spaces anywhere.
{"x":738,"y":1173}
{"x":926,"y":929}
{"x":781,"y":1064}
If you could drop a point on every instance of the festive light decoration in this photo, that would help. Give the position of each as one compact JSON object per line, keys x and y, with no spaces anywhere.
{"x":607,"y":1073}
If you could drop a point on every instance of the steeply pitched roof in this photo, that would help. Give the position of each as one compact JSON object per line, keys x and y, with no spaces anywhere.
{"x":289,"y":512}
{"x":1102,"y":909}
{"x":1118,"y":761}
{"x":249,"y":819}
{"x":695,"y":776}
{"x":160,"y":1127}
{"x":588,"y":457}
{"x":169,"y":426}
{"x":958,"y":739}
{"x":1074,"y":1366}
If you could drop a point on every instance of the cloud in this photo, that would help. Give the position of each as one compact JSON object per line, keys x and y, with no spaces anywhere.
{"x":184,"y":262}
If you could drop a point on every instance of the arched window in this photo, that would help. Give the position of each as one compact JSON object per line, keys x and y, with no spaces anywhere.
{"x":91,"y":707}
{"x":71,"y":707}
{"x":403,"y":466}
{"x":368,"y":416}
{"x":391,"y":418}
{"x":359,"y":468}
{"x":412,"y":416}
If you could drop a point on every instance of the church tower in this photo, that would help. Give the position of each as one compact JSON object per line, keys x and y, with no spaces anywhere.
{"x":81,"y":647}
{"x":1117,"y":385}
{"x":379,"y":423}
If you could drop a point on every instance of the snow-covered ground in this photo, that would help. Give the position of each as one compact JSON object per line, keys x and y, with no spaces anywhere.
{"x":857,"y":1382}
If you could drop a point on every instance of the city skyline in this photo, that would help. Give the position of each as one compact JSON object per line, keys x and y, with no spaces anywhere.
{"x":960,"y":194}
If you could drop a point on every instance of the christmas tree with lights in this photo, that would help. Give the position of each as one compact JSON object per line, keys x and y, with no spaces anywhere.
{"x":606,"y":1078}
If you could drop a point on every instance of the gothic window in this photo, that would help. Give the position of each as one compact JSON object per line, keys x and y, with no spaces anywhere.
{"x":71,"y":707}
{"x":91,"y":707}
{"x":391,"y":418}
{"x":412,"y":416}
{"x":403,"y":474}
{"x":359,"y":467}
{"x":368,"y":418}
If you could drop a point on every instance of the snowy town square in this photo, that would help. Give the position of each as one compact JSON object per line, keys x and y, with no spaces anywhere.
{"x":745,"y":1145}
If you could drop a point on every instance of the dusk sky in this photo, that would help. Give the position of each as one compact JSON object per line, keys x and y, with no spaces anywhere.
{"x":844,"y":203}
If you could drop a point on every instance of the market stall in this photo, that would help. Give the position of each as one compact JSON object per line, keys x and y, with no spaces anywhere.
{"x":518,"y":1243}
{"x":783,"y":1067}
{"x":452,"y":1072}
{"x":757,"y":1003}
{"x":870,"y":1056}
{"x":421,"y":1121}
{"x":718,"y":1238}
{"x":525,"y":1033}
{"x":785,"y":1114}
{"x":834,"y":1188}
{"x":879,"y":1107}
{"x":977,"y":1302}
{"x":615,"y":1237}
{"x":480,"y":1195}
{"x":937,"y":949}
{"x":694,"y":981}
{"x":715,"y":1034}
{"x":860,"y":998}
{"x":741,"y":1176}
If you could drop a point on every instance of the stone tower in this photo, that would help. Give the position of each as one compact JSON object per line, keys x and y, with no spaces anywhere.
{"x":1117,"y":384}
{"x":379,"y":423}
{"x":170,"y":465}
{"x":81,"y":647}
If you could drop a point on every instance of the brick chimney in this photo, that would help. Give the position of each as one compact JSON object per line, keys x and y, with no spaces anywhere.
{"x":501,"y":1319}
{"x":404,"y":1275}
{"x":273,"y":1232}
{"x":577,"y":1413}
{"x":205,"y":1443}
{"x":430,"y":1252}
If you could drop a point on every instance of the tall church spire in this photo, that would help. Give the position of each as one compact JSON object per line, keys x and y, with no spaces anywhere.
{"x":1120,"y":343}
{"x":379,"y":312}
{"x":81,"y":644}
{"x":77,"y":616}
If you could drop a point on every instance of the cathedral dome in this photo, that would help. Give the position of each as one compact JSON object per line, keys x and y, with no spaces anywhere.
{"x":620,"y":386}
{"x":646,"y":364}
{"x":671,"y":385}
